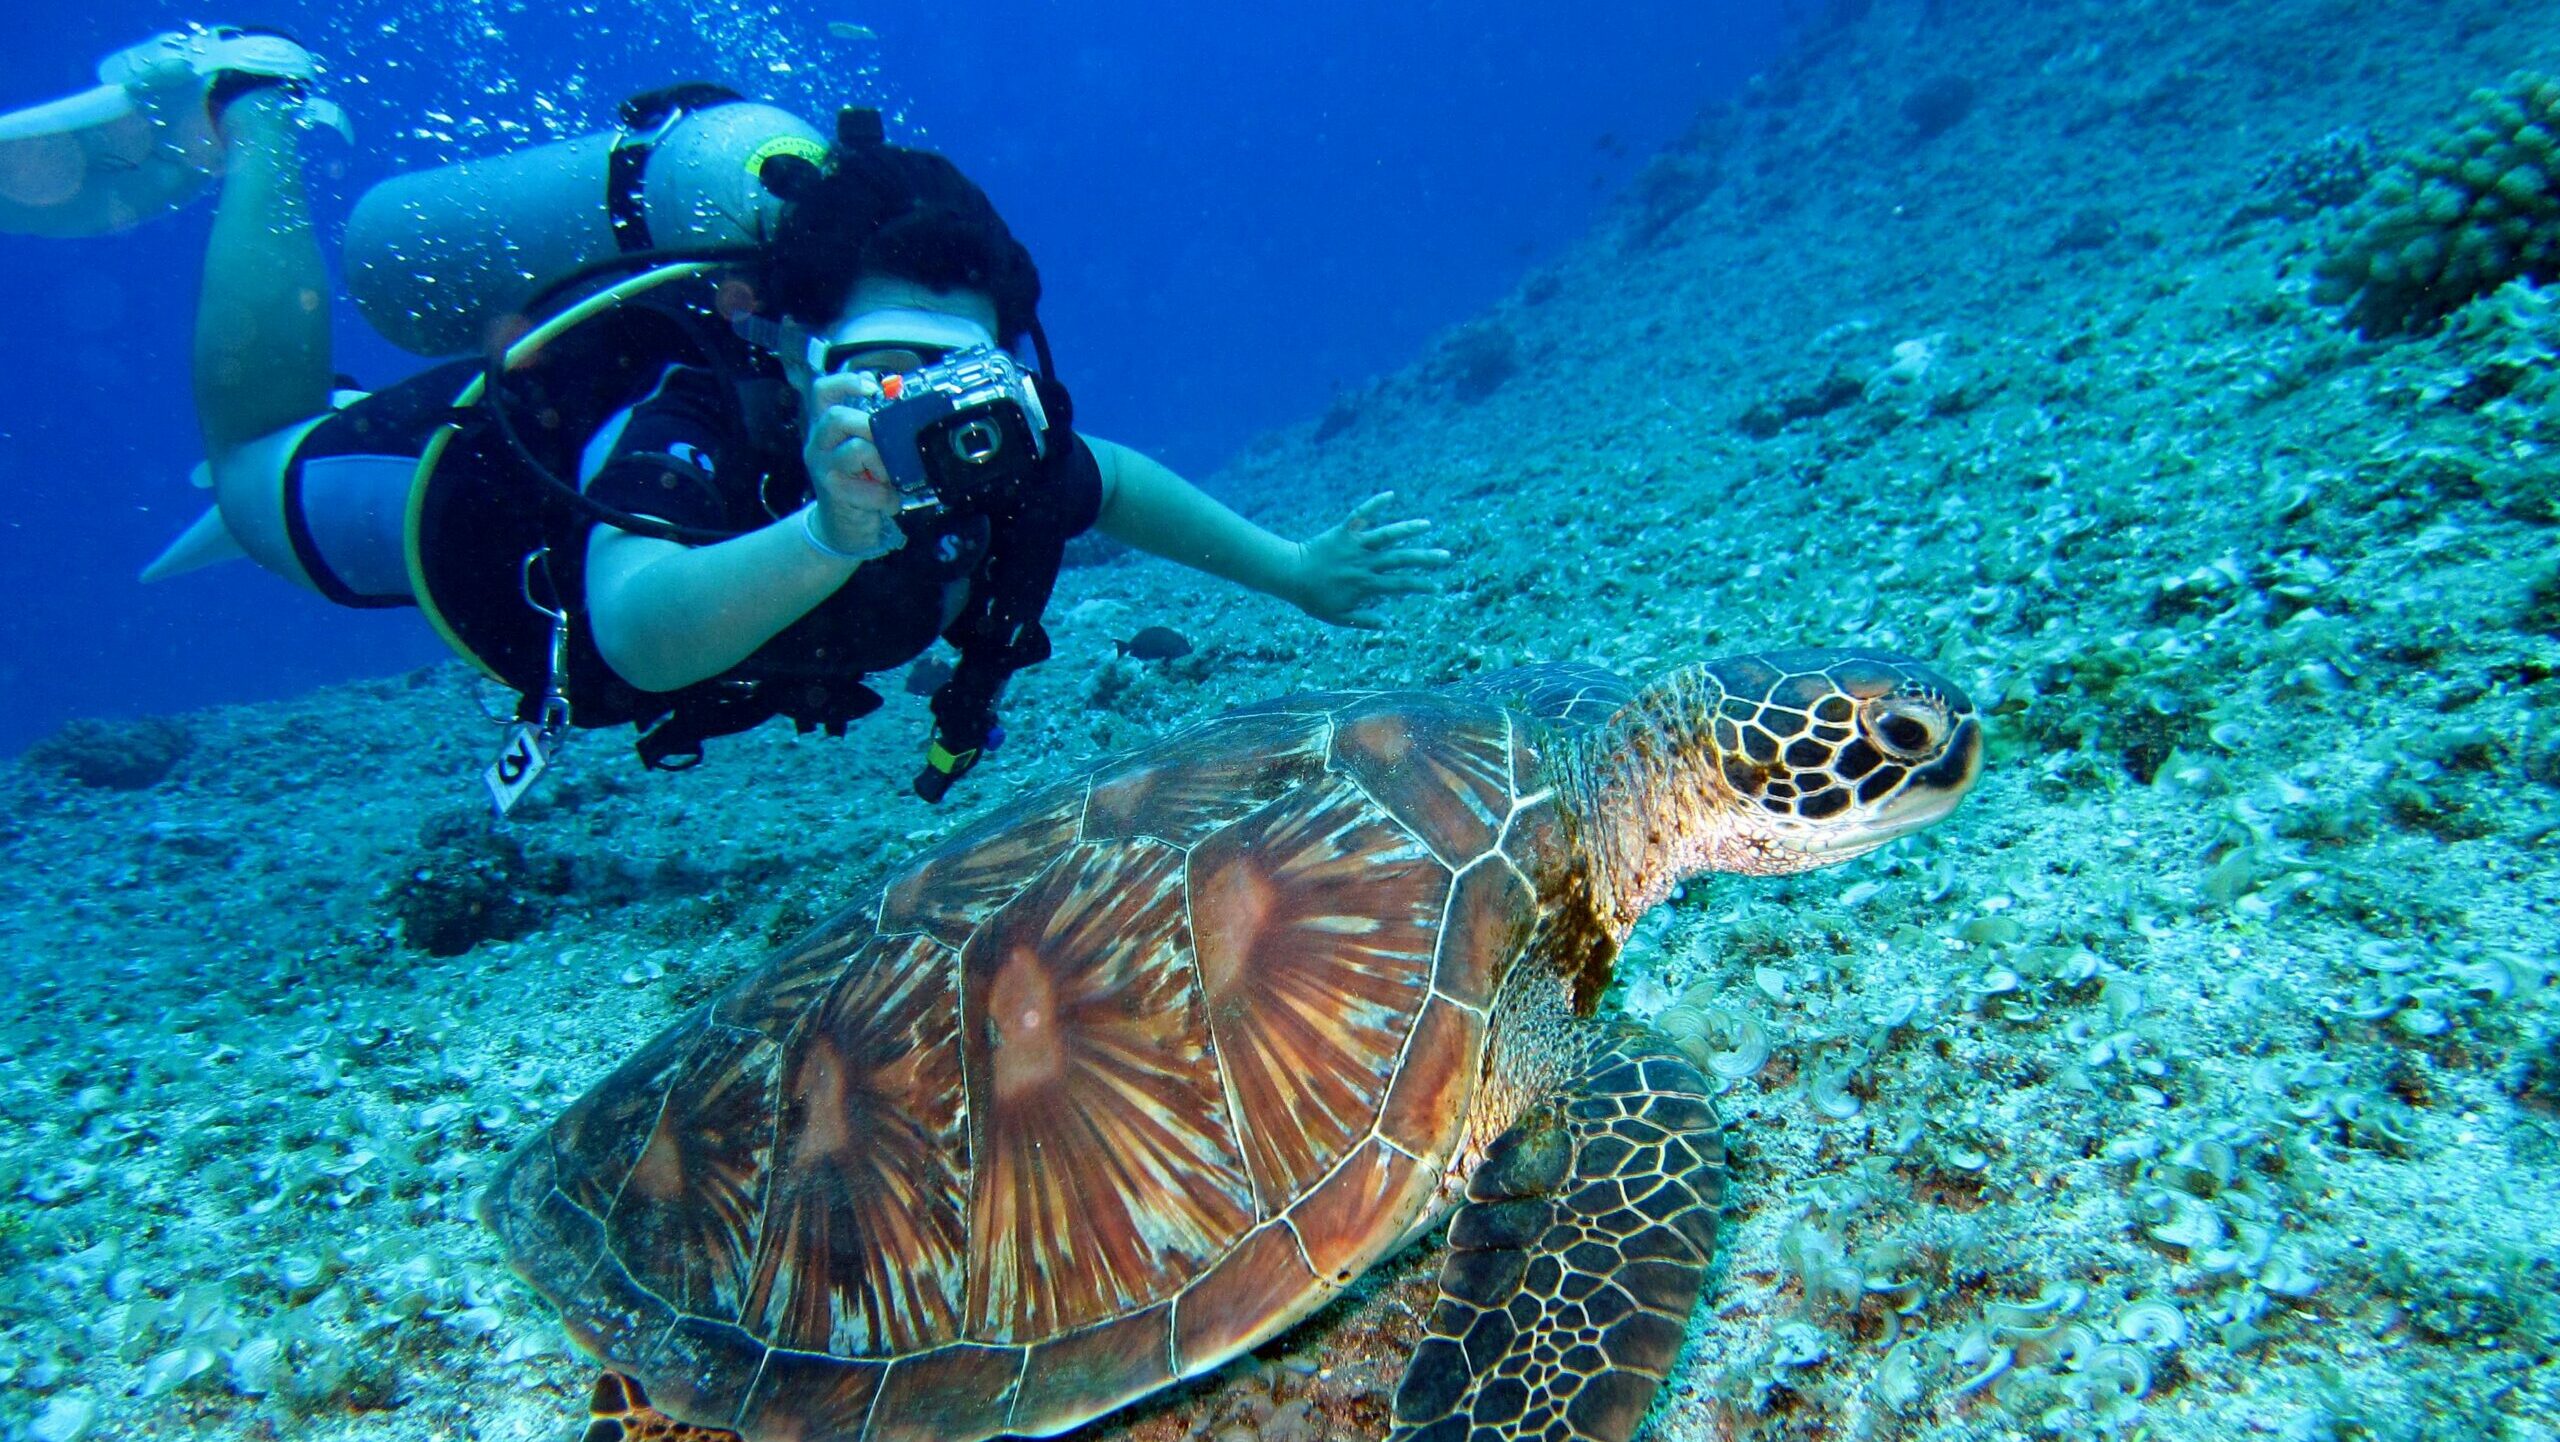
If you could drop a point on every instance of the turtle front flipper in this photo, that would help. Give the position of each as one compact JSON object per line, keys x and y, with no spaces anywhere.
{"x":620,"y":1412}
{"x":1575,"y":1263}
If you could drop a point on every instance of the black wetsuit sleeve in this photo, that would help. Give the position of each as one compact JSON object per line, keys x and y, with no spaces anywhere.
{"x":680,"y":454}
{"x":1075,"y":499}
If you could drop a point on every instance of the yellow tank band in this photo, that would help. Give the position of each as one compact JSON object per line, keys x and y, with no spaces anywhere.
{"x":799,"y":145}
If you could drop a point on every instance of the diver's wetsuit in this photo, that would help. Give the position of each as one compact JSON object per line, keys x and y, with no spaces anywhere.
{"x":688,"y":451}
{"x":684,"y":456}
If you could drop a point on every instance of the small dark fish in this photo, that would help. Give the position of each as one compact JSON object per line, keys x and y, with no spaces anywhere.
{"x":1156,"y":643}
{"x":926,"y":676}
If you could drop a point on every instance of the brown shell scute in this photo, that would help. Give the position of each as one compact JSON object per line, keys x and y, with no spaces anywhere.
{"x":1339,"y":1222}
{"x":1107,"y":1364}
{"x":1316,"y":923}
{"x":952,"y":890}
{"x":800,"y":1396}
{"x":775,"y":998}
{"x":700,"y":1368}
{"x":597,"y":1139}
{"x":619,"y":1321}
{"x":1260,"y":1287}
{"x":1427,"y":1103}
{"x":1491,"y":915}
{"x":685,"y":1220}
{"x":1441,"y":767}
{"x":864,"y":1234}
{"x":545,"y":1233}
{"x":1107,"y":1172}
{"x":1182,"y":789}
{"x":957,"y":1391}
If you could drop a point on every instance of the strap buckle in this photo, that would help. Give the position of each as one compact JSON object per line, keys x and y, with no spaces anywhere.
{"x":532,"y":742}
{"x":943,"y":766}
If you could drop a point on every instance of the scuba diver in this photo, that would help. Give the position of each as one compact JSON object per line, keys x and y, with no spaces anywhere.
{"x":750,"y":418}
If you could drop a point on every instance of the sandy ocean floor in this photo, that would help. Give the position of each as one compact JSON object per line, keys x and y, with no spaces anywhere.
{"x":2200,"y":1079}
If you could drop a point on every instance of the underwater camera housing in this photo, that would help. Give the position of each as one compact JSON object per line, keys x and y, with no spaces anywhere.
{"x":963,"y":432}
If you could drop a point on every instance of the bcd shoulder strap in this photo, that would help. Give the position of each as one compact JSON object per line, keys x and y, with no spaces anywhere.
{"x":999,"y":632}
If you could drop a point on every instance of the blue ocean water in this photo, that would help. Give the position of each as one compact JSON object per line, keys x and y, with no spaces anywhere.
{"x":1236,"y":210}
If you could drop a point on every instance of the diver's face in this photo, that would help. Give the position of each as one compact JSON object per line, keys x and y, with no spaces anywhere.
{"x":883,"y":329}
{"x":890,"y":292}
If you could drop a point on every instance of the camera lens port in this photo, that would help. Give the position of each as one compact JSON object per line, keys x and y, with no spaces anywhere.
{"x":977,"y":442}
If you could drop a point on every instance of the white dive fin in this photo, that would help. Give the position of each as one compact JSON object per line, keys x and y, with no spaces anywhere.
{"x":321,"y":114}
{"x":93,"y":163}
{"x":206,"y":543}
{"x":139,"y":145}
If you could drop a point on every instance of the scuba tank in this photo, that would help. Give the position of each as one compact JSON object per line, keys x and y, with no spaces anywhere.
{"x":437,"y":257}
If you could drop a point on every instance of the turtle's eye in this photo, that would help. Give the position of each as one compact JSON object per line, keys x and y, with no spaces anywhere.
{"x":1905,"y":729}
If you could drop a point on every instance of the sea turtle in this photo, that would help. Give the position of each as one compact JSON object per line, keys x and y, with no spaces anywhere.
{"x":1139,"y":1071}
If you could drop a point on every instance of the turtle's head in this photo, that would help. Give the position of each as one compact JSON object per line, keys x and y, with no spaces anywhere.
{"x":1828,"y":754}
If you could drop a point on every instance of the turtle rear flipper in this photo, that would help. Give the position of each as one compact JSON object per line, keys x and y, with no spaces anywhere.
{"x":620,"y":1412}
{"x":1576,"y":1261}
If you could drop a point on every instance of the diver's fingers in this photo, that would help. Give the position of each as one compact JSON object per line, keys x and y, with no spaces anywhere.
{"x":1401,"y":586}
{"x":1378,"y":537}
{"x":840,"y":388}
{"x":837,"y":425}
{"x":1358,"y":520}
{"x":855,"y":464}
{"x":1411,"y":559}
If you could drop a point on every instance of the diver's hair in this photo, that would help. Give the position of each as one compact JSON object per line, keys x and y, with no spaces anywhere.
{"x":880,"y":209}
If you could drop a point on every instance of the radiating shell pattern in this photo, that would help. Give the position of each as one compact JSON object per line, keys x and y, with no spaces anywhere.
{"x":1230,"y":1000}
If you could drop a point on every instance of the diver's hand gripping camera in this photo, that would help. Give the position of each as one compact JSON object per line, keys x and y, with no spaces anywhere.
{"x":964,"y":432}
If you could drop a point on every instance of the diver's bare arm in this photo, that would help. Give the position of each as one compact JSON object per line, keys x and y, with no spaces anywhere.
{"x":1337,"y":576}
{"x":1144,"y":504}
{"x":666,"y":615}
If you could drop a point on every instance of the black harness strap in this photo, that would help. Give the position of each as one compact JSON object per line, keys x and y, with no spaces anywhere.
{"x":725,"y":708}
{"x":626,"y":171}
{"x":645,"y":118}
{"x":1000,"y":632}
{"x":306,"y":549}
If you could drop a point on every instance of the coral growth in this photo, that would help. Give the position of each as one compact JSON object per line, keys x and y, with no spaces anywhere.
{"x":1477,"y":358}
{"x":2472,"y":209}
{"x":1776,"y":411}
{"x":113,"y":755}
{"x":2536,"y":1082}
{"x":2331,"y":171}
{"x":470,"y":883}
{"x":1937,"y":106}
{"x":1670,"y":186}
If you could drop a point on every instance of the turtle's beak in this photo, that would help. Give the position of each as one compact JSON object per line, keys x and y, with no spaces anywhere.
{"x":1923,"y":798}
{"x":1931,"y":791}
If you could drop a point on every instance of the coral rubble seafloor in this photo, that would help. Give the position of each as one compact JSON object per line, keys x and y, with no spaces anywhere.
{"x":2200,"y":1079}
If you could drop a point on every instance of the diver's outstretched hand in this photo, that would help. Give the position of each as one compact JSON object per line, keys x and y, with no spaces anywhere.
{"x":1343,"y":572}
